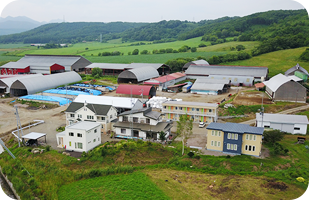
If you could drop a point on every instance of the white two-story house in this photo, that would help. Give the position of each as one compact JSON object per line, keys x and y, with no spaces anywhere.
{"x":142,"y":123}
{"x":81,"y":136}
{"x":100,"y":113}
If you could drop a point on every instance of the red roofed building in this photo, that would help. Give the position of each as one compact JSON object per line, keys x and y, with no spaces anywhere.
{"x":165,"y":81}
{"x":138,"y":91}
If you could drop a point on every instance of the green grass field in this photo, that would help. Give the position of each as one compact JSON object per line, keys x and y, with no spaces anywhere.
{"x":126,"y":186}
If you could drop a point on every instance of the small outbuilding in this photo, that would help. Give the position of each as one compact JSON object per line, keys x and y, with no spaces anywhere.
{"x":143,"y":91}
{"x":294,"y":124}
{"x":210,"y":86}
{"x":137,"y":75}
{"x":284,"y":88}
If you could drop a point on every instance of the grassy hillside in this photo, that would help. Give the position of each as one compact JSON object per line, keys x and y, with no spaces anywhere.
{"x":277,"y":62}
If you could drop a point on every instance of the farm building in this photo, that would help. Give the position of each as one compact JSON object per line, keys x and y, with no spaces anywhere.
{"x":100,"y":113}
{"x":36,"y":84}
{"x":199,"y":112}
{"x":197,"y":62}
{"x":236,"y":80}
{"x":167,"y":80}
{"x":143,"y":91}
{"x":137,"y":75}
{"x":116,"y":68}
{"x":239,"y":75}
{"x":283,"y":88}
{"x":298,"y":71}
{"x":82,"y":136}
{"x":210,"y":86}
{"x":235,"y":138}
{"x":121,"y":103}
{"x":13,"y":68}
{"x":39,"y":63}
{"x":294,"y":124}
{"x":5,"y":84}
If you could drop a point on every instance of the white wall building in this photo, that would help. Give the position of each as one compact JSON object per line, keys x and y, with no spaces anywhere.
{"x":143,"y":124}
{"x":103,"y":114}
{"x":294,"y":124}
{"x":82,"y":136}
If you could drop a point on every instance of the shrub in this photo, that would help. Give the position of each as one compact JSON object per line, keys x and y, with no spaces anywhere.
{"x":190,"y":154}
{"x":97,"y":76}
{"x":47,"y":148}
{"x":273,"y":136}
{"x":202,"y":45}
{"x":94,"y":173}
{"x":193,"y":49}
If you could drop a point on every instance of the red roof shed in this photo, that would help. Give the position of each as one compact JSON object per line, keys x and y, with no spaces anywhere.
{"x":136,"y":90}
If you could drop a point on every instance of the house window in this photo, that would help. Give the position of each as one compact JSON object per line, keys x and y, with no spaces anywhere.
{"x":212,"y":133}
{"x":70,"y":143}
{"x":228,"y":146}
{"x":78,"y":145}
{"x":247,"y":136}
{"x":250,"y":137}
{"x":212,"y":143}
{"x":233,"y":136}
{"x":210,"y":110}
{"x":180,"y":108}
{"x":236,"y":136}
{"x":123,"y":130}
{"x":254,"y":137}
{"x":71,"y":134}
{"x":215,"y":143}
{"x":148,"y":121}
{"x":95,"y":130}
{"x":94,"y":140}
{"x":124,"y":118}
{"x":219,"y":144}
{"x":176,"y":108}
{"x":135,"y":119}
{"x":111,"y":116}
{"x":296,"y":128}
{"x":193,"y":109}
{"x":249,"y":147}
{"x":266,"y":126}
{"x":197,"y":109}
{"x":89,"y":117}
{"x":232,"y":146}
{"x":216,"y":133}
{"x":72,"y":115}
{"x":246,"y":147}
{"x":219,"y":134}
{"x":79,"y":135}
{"x":164,"y":107}
{"x":253,"y":148}
{"x":235,"y":147}
{"x":229,"y":136}
{"x":79,"y":116}
{"x":103,"y":118}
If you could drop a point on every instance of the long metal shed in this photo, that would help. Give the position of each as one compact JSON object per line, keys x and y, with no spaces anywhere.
{"x":137,"y":75}
{"x":5,"y":84}
{"x":38,"y":84}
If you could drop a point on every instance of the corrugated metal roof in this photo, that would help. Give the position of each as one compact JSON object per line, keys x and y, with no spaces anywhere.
{"x":200,"y":62}
{"x":169,"y":77}
{"x":208,"y":86}
{"x":227,"y":70}
{"x":108,"y":66}
{"x":9,"y":81}
{"x":15,"y":65}
{"x":118,"y":102}
{"x":41,"y":83}
{"x":282,"y":118}
{"x":98,"y":109}
{"x":295,"y":68}
{"x":138,"y":65}
{"x":189,"y":103}
{"x":275,"y":82}
{"x":48,"y":59}
{"x":212,"y":80}
{"x":161,"y":126}
{"x":295,"y":78}
{"x":235,"y":128}
{"x":141,"y":73}
{"x":136,"y":89}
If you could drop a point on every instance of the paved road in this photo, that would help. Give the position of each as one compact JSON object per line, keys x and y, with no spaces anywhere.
{"x":292,"y":110}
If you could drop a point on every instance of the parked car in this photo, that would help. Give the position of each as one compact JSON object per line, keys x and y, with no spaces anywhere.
{"x":201,"y":125}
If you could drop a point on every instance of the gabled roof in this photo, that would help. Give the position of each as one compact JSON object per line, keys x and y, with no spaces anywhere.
{"x":189,"y":103}
{"x":167,"y":78}
{"x":208,"y":86}
{"x":136,"y":89}
{"x":108,"y":66}
{"x":161,"y":126}
{"x":282,"y":118}
{"x":275,"y":82}
{"x":138,"y":65}
{"x":96,"y":108}
{"x":15,"y":65}
{"x":295,"y":68}
{"x":84,"y":125}
{"x":64,"y":60}
{"x":147,"y":112}
{"x":235,"y":128}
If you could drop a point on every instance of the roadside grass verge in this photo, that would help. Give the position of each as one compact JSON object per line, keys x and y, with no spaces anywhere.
{"x":125,"y":186}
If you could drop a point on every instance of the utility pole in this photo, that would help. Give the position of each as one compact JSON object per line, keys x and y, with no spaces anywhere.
{"x":131,"y":113}
{"x":18,"y":125}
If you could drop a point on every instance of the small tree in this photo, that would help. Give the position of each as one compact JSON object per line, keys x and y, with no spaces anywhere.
{"x":96,"y":71}
{"x":162,"y":135}
{"x":240,"y":47}
{"x":135,"y":52}
{"x":273,"y":136}
{"x":184,"y":129}
{"x":193,"y":49}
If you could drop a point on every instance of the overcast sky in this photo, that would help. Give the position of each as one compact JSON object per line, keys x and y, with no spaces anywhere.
{"x":140,"y":10}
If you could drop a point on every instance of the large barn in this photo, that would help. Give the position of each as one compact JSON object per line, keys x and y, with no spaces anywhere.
{"x":239,"y":74}
{"x":137,"y":75}
{"x":45,"y":64}
{"x":116,"y":68}
{"x":284,"y":88}
{"x":36,"y":84}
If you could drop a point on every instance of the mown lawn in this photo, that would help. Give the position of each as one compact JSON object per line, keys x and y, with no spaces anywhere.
{"x":125,"y":186}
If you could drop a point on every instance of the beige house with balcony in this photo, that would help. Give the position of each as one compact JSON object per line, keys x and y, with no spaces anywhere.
{"x":199,"y":112}
{"x":103,"y":114}
{"x":141,"y":124}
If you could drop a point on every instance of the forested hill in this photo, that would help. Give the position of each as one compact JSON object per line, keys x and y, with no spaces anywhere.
{"x":71,"y":32}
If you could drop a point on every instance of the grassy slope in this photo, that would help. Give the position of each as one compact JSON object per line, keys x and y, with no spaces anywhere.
{"x":277,"y":62}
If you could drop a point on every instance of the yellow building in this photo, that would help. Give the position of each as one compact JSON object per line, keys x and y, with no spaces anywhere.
{"x":199,"y":112}
{"x":235,"y":138}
